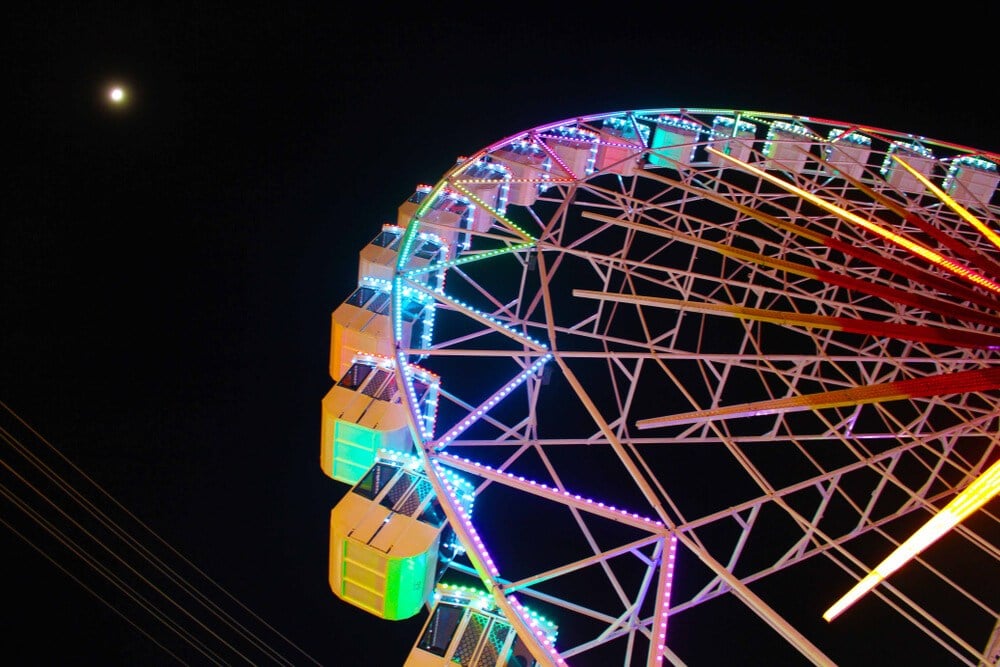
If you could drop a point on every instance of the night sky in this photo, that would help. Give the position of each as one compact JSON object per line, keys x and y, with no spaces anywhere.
{"x":170,"y":265}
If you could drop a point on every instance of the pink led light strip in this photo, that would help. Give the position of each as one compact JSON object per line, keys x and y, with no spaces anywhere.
{"x":663,"y":599}
{"x":552,"y":154}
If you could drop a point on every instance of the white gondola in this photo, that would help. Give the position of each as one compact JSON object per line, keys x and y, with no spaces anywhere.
{"x":788,"y":147}
{"x":674,"y":141}
{"x":847,"y":154}
{"x":465,"y":629}
{"x":920,"y":158}
{"x":575,"y":148}
{"x":448,"y":215}
{"x":971,"y":181}
{"x":488,"y":183}
{"x":362,"y":324}
{"x":527,"y":164}
{"x":378,"y":258}
{"x":732,"y":137}
{"x":622,"y":142}
{"x":389,"y":538}
{"x":363,"y":414}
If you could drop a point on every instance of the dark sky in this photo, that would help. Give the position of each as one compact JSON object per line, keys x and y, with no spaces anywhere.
{"x":169,"y":267}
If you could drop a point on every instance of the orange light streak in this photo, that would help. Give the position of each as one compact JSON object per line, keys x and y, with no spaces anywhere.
{"x":977,"y":494}
{"x":847,"y":216}
{"x":935,"y":385}
{"x":917,"y":332}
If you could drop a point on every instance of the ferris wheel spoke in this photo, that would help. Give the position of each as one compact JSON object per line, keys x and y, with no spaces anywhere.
{"x":850,"y":249}
{"x":953,"y":243}
{"x":829,"y":278}
{"x":974,"y":496}
{"x":466,"y":258}
{"x":950,"y":383}
{"x":920,"y":333}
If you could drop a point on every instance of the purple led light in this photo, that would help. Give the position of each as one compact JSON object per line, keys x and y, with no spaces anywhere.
{"x":539,"y":632}
{"x":462,"y":462}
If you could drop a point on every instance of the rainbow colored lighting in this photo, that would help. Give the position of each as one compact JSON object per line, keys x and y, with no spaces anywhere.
{"x":935,"y":385}
{"x":977,"y":494}
{"x":495,"y":213}
{"x":915,"y":332}
{"x":468,"y":257}
{"x":847,"y":216}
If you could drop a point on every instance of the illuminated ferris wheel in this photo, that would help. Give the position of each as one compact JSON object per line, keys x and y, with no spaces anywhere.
{"x":620,"y":370}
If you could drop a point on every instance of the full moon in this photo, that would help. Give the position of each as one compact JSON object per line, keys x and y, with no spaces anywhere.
{"x":117,"y":95}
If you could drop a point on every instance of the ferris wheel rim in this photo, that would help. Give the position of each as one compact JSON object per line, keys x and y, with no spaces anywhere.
{"x":432,"y":454}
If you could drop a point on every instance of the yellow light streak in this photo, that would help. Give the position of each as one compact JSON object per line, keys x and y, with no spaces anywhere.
{"x":847,"y":216}
{"x":977,"y":494}
{"x":993,"y":237}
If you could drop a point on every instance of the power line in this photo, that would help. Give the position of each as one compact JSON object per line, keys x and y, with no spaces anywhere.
{"x":40,"y":489}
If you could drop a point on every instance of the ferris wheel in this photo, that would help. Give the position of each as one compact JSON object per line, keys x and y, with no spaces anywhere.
{"x":697,"y":359}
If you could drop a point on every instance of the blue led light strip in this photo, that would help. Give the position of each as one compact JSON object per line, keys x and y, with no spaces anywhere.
{"x":481,"y":317}
{"x":477,"y":413}
{"x":582,"y":503}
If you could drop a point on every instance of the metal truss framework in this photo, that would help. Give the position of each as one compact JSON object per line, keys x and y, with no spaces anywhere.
{"x":706,"y":359}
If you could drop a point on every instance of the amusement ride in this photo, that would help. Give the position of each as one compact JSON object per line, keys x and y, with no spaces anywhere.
{"x":616,"y":369}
